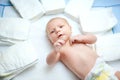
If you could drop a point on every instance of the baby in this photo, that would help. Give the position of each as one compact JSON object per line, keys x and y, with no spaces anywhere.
{"x":75,"y":53}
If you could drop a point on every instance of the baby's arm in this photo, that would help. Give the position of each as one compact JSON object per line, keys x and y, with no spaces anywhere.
{"x":85,"y":39}
{"x":53,"y":57}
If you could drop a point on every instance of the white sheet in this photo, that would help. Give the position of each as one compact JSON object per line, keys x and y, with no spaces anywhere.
{"x":41,"y":71}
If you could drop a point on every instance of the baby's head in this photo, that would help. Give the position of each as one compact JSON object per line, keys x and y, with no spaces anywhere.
{"x":58,"y":28}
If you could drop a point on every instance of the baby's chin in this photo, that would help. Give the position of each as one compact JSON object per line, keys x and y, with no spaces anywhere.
{"x":64,"y":37}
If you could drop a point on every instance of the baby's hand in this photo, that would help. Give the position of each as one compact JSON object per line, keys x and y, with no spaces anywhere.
{"x":58,"y":44}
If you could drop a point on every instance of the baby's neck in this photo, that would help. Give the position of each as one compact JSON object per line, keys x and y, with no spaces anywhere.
{"x":67,"y":43}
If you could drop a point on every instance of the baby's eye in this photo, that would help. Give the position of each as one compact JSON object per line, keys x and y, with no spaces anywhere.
{"x":52,"y":31}
{"x":61,"y":26}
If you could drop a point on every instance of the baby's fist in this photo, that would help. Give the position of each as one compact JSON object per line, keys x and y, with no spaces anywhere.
{"x":58,"y":44}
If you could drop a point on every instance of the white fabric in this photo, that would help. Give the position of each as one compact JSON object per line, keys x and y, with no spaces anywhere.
{"x":109,"y":47}
{"x":13,"y":30}
{"x":28,"y":9}
{"x":43,"y":71}
{"x":17,"y":58}
{"x":74,"y":7}
{"x":53,"y":6}
{"x":97,"y":20}
{"x":8,"y":42}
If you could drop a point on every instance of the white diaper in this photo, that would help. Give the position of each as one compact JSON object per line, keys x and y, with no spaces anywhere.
{"x":101,"y":71}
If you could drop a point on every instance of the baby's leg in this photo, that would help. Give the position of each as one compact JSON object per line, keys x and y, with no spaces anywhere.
{"x":118,"y":74}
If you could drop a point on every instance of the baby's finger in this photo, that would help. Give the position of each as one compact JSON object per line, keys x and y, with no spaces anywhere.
{"x":71,"y":40}
{"x":57,"y":46}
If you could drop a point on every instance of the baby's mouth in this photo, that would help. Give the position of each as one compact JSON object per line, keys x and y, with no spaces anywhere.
{"x":59,"y":36}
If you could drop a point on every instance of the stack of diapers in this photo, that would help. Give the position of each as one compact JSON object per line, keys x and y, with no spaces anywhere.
{"x":74,"y":7}
{"x":108,"y":47}
{"x":13,"y":30}
{"x":98,"y":20}
{"x":28,"y":9}
{"x":16,"y":59}
{"x":53,"y":6}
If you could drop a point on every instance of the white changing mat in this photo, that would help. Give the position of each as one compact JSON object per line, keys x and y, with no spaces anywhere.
{"x":42,"y":71}
{"x":28,"y":9}
{"x":13,"y":30}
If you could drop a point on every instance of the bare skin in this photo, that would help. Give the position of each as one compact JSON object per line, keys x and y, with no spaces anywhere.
{"x":72,"y":51}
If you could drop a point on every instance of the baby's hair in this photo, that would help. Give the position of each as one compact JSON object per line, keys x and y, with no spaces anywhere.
{"x":54,"y":19}
{"x":57,"y":18}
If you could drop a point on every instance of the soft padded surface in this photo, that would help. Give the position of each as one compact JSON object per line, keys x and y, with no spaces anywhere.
{"x":75,"y":7}
{"x":28,"y":9}
{"x":115,"y":4}
{"x":97,"y":20}
{"x":16,"y":58}
{"x":58,"y":6}
{"x":42,"y":71}
{"x":108,"y":47}
{"x":13,"y":30}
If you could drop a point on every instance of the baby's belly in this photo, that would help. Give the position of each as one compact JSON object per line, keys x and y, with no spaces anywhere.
{"x":80,"y":60}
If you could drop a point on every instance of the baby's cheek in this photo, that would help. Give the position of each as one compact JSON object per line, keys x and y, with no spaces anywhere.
{"x":52,"y":39}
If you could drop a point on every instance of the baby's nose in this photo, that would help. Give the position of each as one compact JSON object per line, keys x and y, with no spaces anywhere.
{"x":57,"y":30}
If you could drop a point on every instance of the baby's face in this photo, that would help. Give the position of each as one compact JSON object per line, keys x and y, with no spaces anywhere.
{"x":58,"y":29}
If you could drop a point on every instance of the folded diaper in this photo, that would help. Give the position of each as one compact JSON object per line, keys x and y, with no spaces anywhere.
{"x":74,"y":7}
{"x":13,"y":30}
{"x":16,"y":59}
{"x":108,"y":47}
{"x":53,"y":6}
{"x":28,"y":9}
{"x":97,"y":20}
